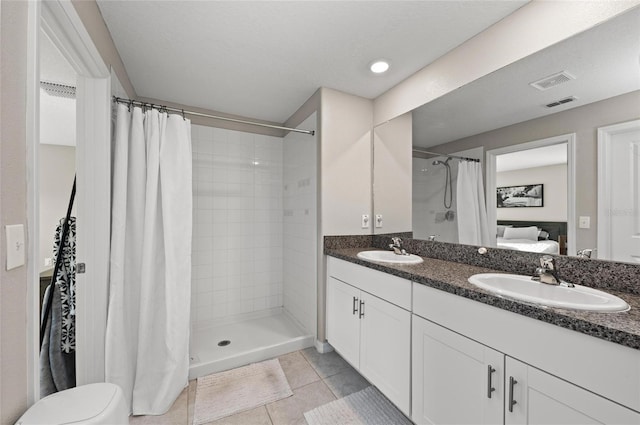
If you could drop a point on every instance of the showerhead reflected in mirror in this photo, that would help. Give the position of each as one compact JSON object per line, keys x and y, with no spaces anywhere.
{"x":435,"y":203}
{"x":504,"y":109}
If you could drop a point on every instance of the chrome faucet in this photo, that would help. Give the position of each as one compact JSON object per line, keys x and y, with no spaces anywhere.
{"x":585,"y":253}
{"x":548,"y":272}
{"x":396,"y":246}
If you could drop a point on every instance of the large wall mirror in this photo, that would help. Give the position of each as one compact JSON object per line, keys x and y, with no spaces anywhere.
{"x":533,"y":126}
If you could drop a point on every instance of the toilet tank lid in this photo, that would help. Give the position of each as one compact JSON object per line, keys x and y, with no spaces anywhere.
{"x":73,"y":405}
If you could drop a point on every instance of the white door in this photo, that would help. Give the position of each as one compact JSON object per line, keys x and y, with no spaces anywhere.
{"x":455,"y":379}
{"x":385,"y":349}
{"x":535,"y":397}
{"x":343,"y":321}
{"x":619,"y":192}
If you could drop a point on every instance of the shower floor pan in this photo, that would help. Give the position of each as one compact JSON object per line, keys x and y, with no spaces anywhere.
{"x":236,"y":344}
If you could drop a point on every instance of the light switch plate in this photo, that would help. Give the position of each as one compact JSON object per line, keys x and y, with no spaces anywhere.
{"x":15,"y":245}
{"x":365,"y":221}
{"x":378,"y":220}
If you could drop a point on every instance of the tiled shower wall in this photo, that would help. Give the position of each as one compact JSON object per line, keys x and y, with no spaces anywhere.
{"x":237,"y":226}
{"x":300,"y":226}
{"x":428,"y":187}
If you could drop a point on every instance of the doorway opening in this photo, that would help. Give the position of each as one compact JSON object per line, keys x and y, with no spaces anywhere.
{"x":56,"y":165}
{"x":532,"y":186}
{"x":63,"y":29}
{"x":619,"y":192}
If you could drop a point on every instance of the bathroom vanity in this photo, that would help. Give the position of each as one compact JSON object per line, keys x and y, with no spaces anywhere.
{"x":445,"y":351}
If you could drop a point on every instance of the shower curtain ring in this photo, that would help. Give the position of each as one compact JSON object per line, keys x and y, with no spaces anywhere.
{"x":183,"y":117}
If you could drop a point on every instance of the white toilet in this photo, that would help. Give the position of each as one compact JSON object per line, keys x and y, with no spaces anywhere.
{"x":101,"y":403}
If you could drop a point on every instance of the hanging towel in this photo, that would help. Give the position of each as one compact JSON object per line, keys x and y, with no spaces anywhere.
{"x":57,"y":354}
{"x":66,"y":283}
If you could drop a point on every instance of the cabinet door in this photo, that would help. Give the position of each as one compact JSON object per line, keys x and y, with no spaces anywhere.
{"x":537,"y":397}
{"x":385,"y":349}
{"x":455,"y":379}
{"x":343,"y":323}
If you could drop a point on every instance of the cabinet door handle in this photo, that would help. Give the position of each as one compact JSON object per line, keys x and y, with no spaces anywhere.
{"x":512,"y":383}
{"x":361,"y":309}
{"x":490,"y":387}
{"x":355,"y":305}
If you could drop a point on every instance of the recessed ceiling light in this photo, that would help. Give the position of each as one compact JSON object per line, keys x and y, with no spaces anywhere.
{"x":379,"y":66}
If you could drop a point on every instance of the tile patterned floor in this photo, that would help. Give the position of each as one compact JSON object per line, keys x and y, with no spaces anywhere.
{"x":315,"y":379}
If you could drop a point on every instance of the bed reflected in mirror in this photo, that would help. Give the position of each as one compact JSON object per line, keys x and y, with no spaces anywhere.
{"x":532,"y":198}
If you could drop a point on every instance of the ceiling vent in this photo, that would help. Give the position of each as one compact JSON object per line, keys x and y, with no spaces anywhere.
{"x":552,"y":80}
{"x":560,"y":102}
{"x":58,"y":90}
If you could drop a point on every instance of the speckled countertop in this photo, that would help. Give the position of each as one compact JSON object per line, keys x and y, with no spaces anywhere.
{"x":621,"y":328}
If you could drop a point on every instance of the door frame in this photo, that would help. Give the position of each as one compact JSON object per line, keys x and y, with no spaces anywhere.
{"x":570,"y":140}
{"x":60,"y":21}
{"x":604,"y":176}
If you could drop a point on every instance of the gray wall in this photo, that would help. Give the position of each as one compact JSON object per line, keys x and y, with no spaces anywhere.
{"x":13,"y":199}
{"x":584,"y":121}
{"x":552,"y":177}
{"x":57,"y":169}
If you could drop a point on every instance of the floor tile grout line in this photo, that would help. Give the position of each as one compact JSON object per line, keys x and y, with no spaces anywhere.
{"x":342,"y":368}
{"x":318,"y":372}
{"x":269,"y":414}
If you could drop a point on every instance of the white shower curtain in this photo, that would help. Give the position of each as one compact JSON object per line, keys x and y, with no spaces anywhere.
{"x":147,"y":339}
{"x":473,"y":227}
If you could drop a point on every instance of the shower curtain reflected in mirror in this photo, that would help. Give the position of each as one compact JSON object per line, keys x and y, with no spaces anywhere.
{"x":147,"y":339}
{"x":473,"y":228}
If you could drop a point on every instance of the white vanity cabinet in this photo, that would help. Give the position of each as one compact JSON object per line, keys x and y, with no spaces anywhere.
{"x":343,"y":320}
{"x":459,"y":381}
{"x":455,"y":379}
{"x":444,"y":359}
{"x":466,"y":348}
{"x":535,"y":397}
{"x":369,"y":324}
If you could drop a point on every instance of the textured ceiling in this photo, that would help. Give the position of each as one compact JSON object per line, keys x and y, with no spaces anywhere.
{"x":530,"y":158}
{"x":604,"y":60}
{"x":263,"y":59}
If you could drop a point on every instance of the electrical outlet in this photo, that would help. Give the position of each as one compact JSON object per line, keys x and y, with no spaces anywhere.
{"x":378,"y":220}
{"x":365,"y":221}
{"x":584,"y":222}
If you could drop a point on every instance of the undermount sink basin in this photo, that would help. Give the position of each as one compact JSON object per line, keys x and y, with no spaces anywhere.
{"x":389,"y":257}
{"x":524,"y":289}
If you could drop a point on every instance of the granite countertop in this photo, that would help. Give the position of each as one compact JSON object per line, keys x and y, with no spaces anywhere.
{"x":621,"y":328}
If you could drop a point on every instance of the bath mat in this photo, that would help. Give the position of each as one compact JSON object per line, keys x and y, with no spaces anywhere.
{"x":366,"y":407}
{"x":237,"y":390}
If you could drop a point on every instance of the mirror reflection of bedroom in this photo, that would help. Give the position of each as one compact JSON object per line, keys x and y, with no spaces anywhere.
{"x":531,"y":192}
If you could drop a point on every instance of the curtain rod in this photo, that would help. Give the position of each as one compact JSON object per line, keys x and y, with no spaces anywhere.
{"x":464,"y":158}
{"x":198,"y":114}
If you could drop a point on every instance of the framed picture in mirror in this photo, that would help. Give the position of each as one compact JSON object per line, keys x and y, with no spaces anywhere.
{"x":520,"y":196}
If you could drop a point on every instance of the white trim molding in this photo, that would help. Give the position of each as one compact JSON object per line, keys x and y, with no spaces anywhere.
{"x":60,"y":22}
{"x":33,"y":202}
{"x":323,"y":347}
{"x":490,"y":183}
{"x":604,"y":176}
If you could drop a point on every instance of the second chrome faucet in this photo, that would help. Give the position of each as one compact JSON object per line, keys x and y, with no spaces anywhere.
{"x":396,"y":246}
{"x":548,"y":272}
